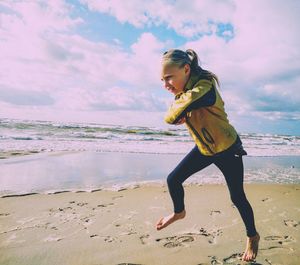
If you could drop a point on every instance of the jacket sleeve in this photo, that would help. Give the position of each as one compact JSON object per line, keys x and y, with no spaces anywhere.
{"x":202,"y":94}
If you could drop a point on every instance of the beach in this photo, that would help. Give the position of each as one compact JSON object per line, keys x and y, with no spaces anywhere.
{"x":118,"y":227}
{"x":92,"y":194}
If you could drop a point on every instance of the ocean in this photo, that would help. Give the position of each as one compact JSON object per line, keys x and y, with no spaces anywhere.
{"x":73,"y":156}
{"x":41,"y":136}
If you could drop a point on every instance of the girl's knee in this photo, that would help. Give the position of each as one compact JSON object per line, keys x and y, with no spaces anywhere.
{"x":239,"y":199}
{"x":172,"y":179}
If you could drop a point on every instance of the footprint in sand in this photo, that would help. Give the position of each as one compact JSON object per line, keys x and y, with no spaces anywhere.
{"x":4,"y":214}
{"x":105,"y":205}
{"x":291,"y":223}
{"x":99,"y":206}
{"x":110,"y":239}
{"x":175,"y":241}
{"x":282,"y":240}
{"x":64,"y":209}
{"x":53,"y":210}
{"x":129,"y":231}
{"x":86,"y":220}
{"x":215,"y":261}
{"x":82,"y":203}
{"x":212,"y":235}
{"x":142,"y":237}
{"x":266,"y":199}
{"x":117,"y":197}
{"x":236,"y":257}
{"x":213,"y":213}
{"x":269,"y":262}
{"x":204,"y":232}
{"x":52,"y":238}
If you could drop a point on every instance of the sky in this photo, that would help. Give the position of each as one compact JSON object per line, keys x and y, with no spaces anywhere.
{"x":100,"y":61}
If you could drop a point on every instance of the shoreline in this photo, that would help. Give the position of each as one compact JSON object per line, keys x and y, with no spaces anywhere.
{"x":88,"y":171}
{"x":19,"y":154}
{"x":118,"y":227}
{"x":132,"y":186}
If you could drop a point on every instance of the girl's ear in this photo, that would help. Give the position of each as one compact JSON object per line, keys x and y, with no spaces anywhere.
{"x":187,"y":69}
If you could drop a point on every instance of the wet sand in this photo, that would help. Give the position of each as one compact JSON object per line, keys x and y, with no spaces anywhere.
{"x":118,"y":227}
{"x":48,"y":172}
{"x":16,"y":153}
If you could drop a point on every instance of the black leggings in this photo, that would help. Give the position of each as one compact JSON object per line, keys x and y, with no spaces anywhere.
{"x":232,"y":168}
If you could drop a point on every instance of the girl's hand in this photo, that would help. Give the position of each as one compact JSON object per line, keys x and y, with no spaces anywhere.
{"x":181,"y":121}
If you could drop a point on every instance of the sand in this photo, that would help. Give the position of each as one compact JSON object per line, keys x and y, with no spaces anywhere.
{"x":118,"y":227}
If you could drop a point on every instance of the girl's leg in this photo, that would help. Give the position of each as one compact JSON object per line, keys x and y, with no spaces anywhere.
{"x":191,"y":163}
{"x":233,"y":170}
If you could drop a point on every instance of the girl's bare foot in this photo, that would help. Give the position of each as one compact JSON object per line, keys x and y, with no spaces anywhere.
{"x":165,"y":221}
{"x":251,"y":248}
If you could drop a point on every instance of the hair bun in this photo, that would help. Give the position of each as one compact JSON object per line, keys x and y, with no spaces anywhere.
{"x":190,"y":54}
{"x":193,"y":56}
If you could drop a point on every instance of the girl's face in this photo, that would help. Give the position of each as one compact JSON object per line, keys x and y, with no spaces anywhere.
{"x":175,"y":78}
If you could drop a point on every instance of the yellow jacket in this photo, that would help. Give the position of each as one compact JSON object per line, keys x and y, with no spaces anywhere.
{"x":202,"y":106}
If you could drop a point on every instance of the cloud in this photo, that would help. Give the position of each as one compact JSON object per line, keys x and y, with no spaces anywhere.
{"x":19,"y":97}
{"x":25,"y":24}
{"x":189,"y":20}
{"x":76,"y":73}
{"x":117,"y":98}
{"x":281,"y":96}
{"x":145,"y":61}
{"x":24,"y":31}
{"x":252,"y":46}
{"x":261,"y":64}
{"x":125,"y":11}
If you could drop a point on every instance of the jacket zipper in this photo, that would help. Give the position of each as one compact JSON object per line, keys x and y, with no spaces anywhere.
{"x":199,"y":136}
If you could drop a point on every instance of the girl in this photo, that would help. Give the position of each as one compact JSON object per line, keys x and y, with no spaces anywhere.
{"x":199,"y":105}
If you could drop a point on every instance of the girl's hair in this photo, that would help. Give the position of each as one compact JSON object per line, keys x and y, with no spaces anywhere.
{"x":190,"y":57}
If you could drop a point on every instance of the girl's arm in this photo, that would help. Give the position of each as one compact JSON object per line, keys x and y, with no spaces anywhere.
{"x":203,"y":94}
